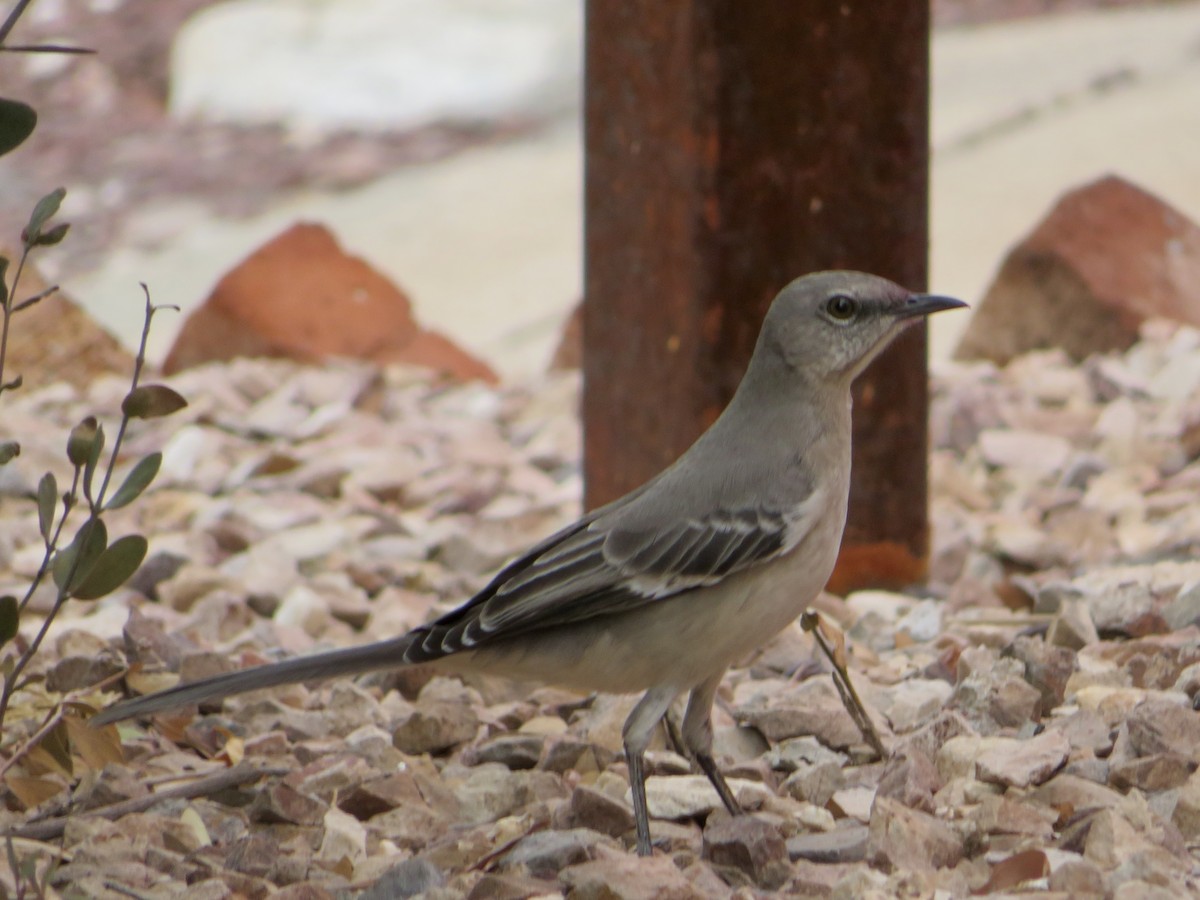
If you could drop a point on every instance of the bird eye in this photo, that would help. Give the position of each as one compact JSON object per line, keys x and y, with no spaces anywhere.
{"x":841,"y":307}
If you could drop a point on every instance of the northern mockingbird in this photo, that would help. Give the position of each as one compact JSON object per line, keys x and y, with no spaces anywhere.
{"x":661,"y":590}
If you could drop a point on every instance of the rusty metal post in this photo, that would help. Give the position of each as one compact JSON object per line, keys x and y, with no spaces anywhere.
{"x":731,"y":147}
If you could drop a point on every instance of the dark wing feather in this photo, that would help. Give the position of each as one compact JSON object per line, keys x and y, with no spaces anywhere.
{"x":596,"y":569}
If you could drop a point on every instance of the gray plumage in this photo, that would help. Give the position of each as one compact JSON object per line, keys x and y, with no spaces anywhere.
{"x":661,"y":590}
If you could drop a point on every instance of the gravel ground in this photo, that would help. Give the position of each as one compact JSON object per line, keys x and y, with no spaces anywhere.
{"x":1035,"y":698}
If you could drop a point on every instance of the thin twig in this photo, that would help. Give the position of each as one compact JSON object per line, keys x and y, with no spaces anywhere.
{"x":13,"y":16}
{"x":138,"y":362}
{"x":48,"y":829}
{"x":36,"y":298}
{"x":46,"y":48}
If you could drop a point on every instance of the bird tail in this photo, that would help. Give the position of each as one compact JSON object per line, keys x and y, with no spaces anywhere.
{"x":317,"y":667}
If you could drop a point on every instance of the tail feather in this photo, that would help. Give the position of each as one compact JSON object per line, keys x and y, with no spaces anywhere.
{"x":319,"y":666}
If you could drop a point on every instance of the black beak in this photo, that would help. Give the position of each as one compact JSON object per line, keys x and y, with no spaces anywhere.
{"x":925,"y":305}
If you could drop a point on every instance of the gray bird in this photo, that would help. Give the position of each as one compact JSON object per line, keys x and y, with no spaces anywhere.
{"x":661,"y":590}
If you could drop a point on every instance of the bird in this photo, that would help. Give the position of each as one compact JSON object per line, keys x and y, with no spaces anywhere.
{"x":660,"y":591}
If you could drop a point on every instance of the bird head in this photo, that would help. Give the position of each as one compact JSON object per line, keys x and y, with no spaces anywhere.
{"x":828,"y":326}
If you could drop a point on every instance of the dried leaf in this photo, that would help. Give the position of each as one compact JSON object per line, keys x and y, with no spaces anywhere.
{"x":97,"y":747}
{"x":47,"y":501}
{"x":33,"y":791}
{"x":234,"y":750}
{"x":136,"y":481}
{"x":114,"y":567}
{"x":152,"y":401}
{"x":192,"y":820}
{"x":52,"y":753}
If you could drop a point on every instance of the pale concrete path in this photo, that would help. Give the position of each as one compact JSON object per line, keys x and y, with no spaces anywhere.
{"x":488,"y":243}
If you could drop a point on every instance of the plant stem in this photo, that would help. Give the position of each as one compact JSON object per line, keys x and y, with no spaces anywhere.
{"x":8,"y":305}
{"x":138,"y":363}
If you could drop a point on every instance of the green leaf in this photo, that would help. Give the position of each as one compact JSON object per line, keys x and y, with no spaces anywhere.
{"x":80,"y":441}
{"x":136,"y":481}
{"x":42,"y":213}
{"x":17,"y":121}
{"x":93,"y":536}
{"x":9,"y":450}
{"x":10,"y":618}
{"x":47,"y":501}
{"x":151,"y":401}
{"x":113,"y":568}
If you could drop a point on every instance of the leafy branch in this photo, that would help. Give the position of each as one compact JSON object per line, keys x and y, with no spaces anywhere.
{"x":89,"y":566}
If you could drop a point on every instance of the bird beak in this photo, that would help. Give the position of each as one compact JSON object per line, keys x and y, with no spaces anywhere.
{"x":926,"y":304}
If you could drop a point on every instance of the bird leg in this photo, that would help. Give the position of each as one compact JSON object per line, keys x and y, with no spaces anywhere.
{"x":698,"y":736}
{"x":638,"y":730}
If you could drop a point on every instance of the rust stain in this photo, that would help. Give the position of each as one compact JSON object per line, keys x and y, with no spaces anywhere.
{"x":882,"y":564}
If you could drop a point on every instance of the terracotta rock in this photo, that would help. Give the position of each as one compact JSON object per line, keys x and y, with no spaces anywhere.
{"x":302,"y":297}
{"x":55,"y":340}
{"x":1108,"y":256}
{"x":569,"y":353}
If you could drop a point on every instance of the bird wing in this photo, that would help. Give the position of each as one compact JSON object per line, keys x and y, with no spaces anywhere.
{"x":605,"y":565}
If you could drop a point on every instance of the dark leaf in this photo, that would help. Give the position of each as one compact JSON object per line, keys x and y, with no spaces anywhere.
{"x":47,"y":500}
{"x":9,"y":618}
{"x":42,"y":213}
{"x":151,"y":401}
{"x":136,"y":481}
{"x":93,"y":460}
{"x":52,"y":236}
{"x":113,"y":568}
{"x":9,"y":450}
{"x":17,"y":121}
{"x":93,"y":536}
{"x":80,"y":441}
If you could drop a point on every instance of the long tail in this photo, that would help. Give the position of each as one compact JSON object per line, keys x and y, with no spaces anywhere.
{"x":319,"y":666}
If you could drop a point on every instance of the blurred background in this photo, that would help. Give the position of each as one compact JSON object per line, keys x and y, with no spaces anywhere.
{"x":439,"y":140}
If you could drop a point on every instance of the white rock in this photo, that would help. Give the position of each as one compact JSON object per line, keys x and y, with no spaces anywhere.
{"x":923,"y":622}
{"x":911,"y":703}
{"x":396,"y":64}
{"x":887,"y":604}
{"x":1019,"y":763}
{"x":1011,"y":448}
{"x":343,"y":837}
{"x":684,"y":796}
